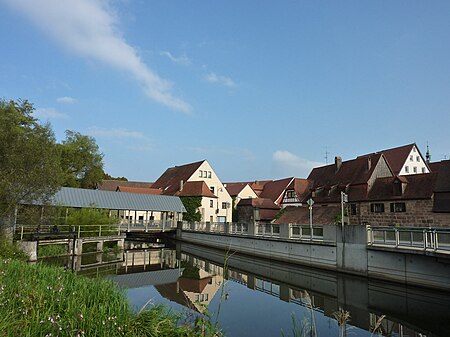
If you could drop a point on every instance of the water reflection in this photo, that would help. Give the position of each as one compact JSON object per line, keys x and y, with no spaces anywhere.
{"x":258,"y":297}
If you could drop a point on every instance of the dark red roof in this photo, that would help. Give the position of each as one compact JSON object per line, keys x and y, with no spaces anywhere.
{"x":139,"y":190}
{"x":170,"y":180}
{"x":195,"y":189}
{"x":261,"y":203}
{"x":321,"y":215}
{"x":234,"y":188}
{"x":275,"y":189}
{"x":443,"y":179}
{"x":111,"y":185}
{"x":355,"y":171}
{"x":417,"y":186}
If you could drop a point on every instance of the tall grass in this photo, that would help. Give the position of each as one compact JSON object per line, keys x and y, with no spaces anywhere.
{"x":40,"y":300}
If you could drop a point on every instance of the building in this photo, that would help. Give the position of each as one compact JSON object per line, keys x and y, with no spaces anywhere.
{"x":198,"y":179}
{"x":257,"y":210}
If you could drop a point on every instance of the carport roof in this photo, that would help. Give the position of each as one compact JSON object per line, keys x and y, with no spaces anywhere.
{"x":84,"y":198}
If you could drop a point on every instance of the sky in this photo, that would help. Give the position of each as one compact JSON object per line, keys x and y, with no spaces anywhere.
{"x":261,"y":89}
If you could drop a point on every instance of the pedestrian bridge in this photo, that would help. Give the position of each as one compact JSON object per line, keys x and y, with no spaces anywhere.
{"x":412,"y":256}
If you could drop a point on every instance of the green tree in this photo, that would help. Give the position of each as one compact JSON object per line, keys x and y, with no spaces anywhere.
{"x":81,"y":161}
{"x":192,"y":205}
{"x":29,"y":160}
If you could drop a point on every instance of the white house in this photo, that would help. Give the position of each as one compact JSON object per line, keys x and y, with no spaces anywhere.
{"x":198,"y":179}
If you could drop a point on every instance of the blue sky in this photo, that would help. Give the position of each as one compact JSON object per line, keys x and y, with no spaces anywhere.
{"x":262,"y":89}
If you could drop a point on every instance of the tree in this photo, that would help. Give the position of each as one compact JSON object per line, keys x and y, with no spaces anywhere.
{"x":192,"y":205}
{"x":29,"y":160}
{"x":81,"y":161}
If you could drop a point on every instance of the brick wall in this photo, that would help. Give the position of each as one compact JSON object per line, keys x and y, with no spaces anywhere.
{"x":418,"y":214}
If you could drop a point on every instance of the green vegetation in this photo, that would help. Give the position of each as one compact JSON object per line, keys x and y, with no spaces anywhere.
{"x":52,"y":250}
{"x":192,"y":205}
{"x":92,"y":222}
{"x":81,"y":161}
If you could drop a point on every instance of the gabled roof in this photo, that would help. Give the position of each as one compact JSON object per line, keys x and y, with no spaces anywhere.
{"x":355,"y":171}
{"x":139,"y":190}
{"x":274,"y":189}
{"x":397,"y":156}
{"x":261,"y":203}
{"x":417,"y":186}
{"x":321,"y":215}
{"x":170,"y":180}
{"x":195,"y":189}
{"x":234,"y":188}
{"x":86,"y":198}
{"x":111,"y":185}
{"x":301,"y":187}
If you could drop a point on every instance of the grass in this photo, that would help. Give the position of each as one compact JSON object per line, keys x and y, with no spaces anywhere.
{"x":41,"y":300}
{"x":52,"y":250}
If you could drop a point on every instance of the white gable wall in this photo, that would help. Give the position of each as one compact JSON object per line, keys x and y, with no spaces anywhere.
{"x":221,"y":207}
{"x":414,"y":164}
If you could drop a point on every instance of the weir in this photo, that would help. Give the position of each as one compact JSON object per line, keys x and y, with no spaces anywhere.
{"x":380,"y":253}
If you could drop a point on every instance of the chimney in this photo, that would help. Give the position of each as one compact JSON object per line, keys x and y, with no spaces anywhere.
{"x":369,"y":163}
{"x":337,"y":163}
{"x":181,"y":185}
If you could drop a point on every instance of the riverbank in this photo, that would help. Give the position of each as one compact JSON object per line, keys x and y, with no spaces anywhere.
{"x":41,"y":300}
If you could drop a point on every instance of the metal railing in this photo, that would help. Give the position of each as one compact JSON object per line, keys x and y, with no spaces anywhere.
{"x":268,"y":230}
{"x":303,"y":232}
{"x":425,"y":239}
{"x":26,"y":231}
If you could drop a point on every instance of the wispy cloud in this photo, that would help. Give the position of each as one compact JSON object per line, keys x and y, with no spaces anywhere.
{"x":116,"y":133}
{"x":183,"y":59}
{"x":219,"y":79}
{"x":89,"y":28}
{"x":66,"y":100}
{"x":49,"y":113}
{"x":286,"y":163}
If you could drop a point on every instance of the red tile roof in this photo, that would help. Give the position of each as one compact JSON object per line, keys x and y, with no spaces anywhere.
{"x":170,"y":180}
{"x":355,"y":171}
{"x":443,"y":179}
{"x":261,"y":203}
{"x":234,"y":188}
{"x":111,"y":185}
{"x":139,"y":190}
{"x":321,"y":215}
{"x":301,"y":187}
{"x":274,"y":190}
{"x":195,"y":189}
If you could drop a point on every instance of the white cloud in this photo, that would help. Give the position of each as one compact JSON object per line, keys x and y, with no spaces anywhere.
{"x":116,"y":133}
{"x":66,"y":100}
{"x":183,"y":59}
{"x":214,"y":78}
{"x":289,"y":164}
{"x":49,"y":113}
{"x":89,"y":28}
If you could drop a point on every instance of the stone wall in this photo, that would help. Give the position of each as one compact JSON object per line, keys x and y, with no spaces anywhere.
{"x":419,"y":213}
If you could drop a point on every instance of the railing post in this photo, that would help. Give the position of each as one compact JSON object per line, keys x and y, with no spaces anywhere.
{"x":146,"y":227}
{"x":425,"y":239}
{"x":100,"y":230}
{"x":397,"y":237}
{"x":79,"y":231}
{"x":436,"y":240}
{"x":21,"y":233}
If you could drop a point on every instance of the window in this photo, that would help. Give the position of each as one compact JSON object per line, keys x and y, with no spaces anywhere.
{"x":224,"y":205}
{"x":290,"y":194}
{"x":211,"y":203}
{"x":417,"y":158}
{"x":209,"y":174}
{"x":212,"y":189}
{"x":415,"y":169}
{"x":398,"y":207}
{"x":200,"y":173}
{"x":406,"y":169}
{"x":353,"y":209}
{"x":411,"y":158}
{"x":423,"y":169}
{"x":377,"y":208}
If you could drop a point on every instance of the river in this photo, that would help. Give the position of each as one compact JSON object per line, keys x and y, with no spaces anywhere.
{"x":255,"y":297}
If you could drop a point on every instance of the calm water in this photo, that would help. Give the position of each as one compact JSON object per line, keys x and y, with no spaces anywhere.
{"x":255,"y":297}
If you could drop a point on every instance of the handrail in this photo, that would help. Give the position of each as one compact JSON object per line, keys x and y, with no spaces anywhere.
{"x":424,"y":239}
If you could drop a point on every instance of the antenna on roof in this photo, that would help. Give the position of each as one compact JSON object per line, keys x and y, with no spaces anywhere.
{"x":428,"y":155}
{"x":326,"y":155}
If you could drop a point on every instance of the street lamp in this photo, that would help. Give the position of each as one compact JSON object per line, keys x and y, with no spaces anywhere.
{"x":310,"y":203}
